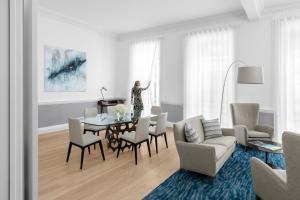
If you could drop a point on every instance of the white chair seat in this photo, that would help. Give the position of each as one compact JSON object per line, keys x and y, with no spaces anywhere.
{"x":129,"y":136}
{"x":94,"y":128}
{"x":89,"y":138}
{"x":257,"y":134}
{"x":152,"y":130}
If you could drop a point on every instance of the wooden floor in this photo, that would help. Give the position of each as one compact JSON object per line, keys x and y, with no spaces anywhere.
{"x":110,"y":179}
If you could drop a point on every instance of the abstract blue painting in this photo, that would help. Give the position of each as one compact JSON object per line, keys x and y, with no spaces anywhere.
{"x":65,"y":70}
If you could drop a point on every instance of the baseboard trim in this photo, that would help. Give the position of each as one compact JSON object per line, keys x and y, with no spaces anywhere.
{"x":50,"y":129}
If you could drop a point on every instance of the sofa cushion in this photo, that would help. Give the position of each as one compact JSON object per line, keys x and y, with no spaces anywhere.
{"x":257,"y":134}
{"x":226,"y":141}
{"x":195,"y":122}
{"x":220,"y":150}
{"x":191,"y":135}
{"x":211,"y":128}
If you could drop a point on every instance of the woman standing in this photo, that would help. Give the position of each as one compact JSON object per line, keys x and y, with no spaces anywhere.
{"x":136,"y":98}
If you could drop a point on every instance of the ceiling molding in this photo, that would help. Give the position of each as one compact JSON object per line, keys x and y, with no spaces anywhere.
{"x":253,"y":8}
{"x":235,"y":18}
{"x":227,"y":19}
{"x":48,"y":13}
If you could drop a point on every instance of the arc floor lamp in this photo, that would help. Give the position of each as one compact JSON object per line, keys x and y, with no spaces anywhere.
{"x":246,"y":75}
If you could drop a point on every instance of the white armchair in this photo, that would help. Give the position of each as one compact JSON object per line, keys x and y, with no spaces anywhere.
{"x":245,"y":119}
{"x":272,"y":184}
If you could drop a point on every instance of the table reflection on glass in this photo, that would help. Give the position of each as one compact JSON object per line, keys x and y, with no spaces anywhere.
{"x":115,"y":125}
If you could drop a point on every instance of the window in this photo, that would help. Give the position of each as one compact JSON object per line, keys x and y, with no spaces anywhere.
{"x":208,"y":55}
{"x":287,"y":75}
{"x":145,"y":67}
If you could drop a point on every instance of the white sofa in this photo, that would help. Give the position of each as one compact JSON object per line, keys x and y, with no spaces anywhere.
{"x":207,"y":157}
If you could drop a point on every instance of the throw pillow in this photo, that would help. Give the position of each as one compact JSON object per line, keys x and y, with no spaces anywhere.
{"x":191,"y":135}
{"x":211,"y":128}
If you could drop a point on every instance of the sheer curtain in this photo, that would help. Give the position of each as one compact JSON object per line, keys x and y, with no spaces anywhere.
{"x":145,"y":67}
{"x":208,"y":55}
{"x":287,"y":75}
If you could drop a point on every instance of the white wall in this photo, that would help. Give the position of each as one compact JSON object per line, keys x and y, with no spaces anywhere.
{"x":253,"y":46}
{"x":101,"y":58}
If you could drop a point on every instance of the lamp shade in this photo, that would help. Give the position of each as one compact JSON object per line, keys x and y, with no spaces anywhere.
{"x":250,"y":75}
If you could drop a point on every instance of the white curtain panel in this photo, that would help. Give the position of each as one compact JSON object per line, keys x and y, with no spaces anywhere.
{"x":287,"y":74}
{"x":145,"y":67}
{"x":208,"y":56}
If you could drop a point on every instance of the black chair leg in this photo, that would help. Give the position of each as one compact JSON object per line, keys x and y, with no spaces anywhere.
{"x":101,"y":149}
{"x":148,"y":145}
{"x":151,"y":139}
{"x":89,"y":150}
{"x":165,"y":136}
{"x":156,"y":144}
{"x":69,"y":151}
{"x":135,"y":153}
{"x":94,"y":133}
{"x":119,"y":147}
{"x":139,"y":146}
{"x":82,"y":156}
{"x":98,"y":133}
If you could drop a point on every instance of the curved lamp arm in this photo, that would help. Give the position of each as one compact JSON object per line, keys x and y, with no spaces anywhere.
{"x":224,"y":83}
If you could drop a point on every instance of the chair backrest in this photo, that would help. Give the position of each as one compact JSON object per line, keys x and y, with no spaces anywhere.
{"x":291,"y":148}
{"x":245,"y":114}
{"x":156,"y":110}
{"x":75,"y":131}
{"x":161,"y":126}
{"x":195,"y":122}
{"x":142,"y":129}
{"x":90,"y":112}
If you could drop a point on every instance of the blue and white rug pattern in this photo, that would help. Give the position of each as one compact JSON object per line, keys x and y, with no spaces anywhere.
{"x":233,"y":181}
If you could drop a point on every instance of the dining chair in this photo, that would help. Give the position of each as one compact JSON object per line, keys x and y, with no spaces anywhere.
{"x":155,"y":110}
{"x":160,"y":129}
{"x":88,"y":113}
{"x":83,"y":141}
{"x":137,"y":137}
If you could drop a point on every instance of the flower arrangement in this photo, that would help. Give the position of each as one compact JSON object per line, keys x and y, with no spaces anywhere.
{"x":121,"y":109}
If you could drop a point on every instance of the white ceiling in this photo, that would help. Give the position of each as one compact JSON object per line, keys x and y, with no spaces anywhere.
{"x":123,"y":16}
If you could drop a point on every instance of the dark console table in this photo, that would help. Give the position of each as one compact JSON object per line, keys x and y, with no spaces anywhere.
{"x":110,"y":102}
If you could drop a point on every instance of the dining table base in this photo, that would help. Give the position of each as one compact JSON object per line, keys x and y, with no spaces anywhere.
{"x":113,"y":132}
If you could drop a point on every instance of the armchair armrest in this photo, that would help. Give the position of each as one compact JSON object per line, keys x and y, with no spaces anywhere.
{"x":241,"y":134}
{"x":197,"y":157}
{"x":267,"y":183}
{"x":228,"y":131}
{"x":266,"y":129}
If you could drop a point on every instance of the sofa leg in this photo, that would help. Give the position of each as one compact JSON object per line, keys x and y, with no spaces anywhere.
{"x":211,"y":180}
{"x":246,"y":148}
{"x":257,"y":197}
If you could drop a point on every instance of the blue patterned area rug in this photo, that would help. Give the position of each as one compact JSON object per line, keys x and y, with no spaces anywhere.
{"x":233,"y":181}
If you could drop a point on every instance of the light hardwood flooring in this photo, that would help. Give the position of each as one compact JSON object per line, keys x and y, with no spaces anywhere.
{"x":110,"y":179}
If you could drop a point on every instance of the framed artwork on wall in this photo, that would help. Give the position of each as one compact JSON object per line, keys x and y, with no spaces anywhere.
{"x":64,"y":70}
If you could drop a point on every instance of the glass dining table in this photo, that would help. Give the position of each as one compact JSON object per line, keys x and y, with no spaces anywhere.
{"x":115,"y":125}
